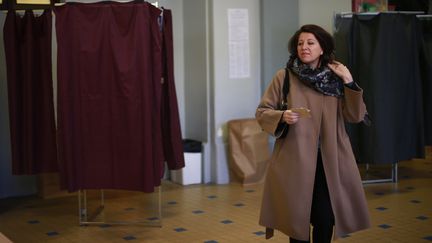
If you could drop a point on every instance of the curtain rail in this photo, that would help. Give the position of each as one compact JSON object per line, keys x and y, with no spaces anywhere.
{"x":419,"y":14}
{"x":424,"y":16}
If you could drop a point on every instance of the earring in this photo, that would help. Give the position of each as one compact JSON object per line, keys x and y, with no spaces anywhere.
{"x":322,"y":53}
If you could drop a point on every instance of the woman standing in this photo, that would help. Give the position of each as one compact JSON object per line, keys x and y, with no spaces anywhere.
{"x":313,"y":176}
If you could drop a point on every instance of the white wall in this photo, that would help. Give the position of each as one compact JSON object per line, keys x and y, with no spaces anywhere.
{"x":233,"y":98}
{"x":212,"y":98}
{"x":280,"y":20}
{"x":321,"y":12}
{"x":195,"y":61}
{"x":197,"y":90}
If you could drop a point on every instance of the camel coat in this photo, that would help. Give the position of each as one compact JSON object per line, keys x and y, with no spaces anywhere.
{"x":288,"y":189}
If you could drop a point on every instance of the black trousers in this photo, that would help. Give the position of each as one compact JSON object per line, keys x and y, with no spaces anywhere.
{"x":322,"y":218}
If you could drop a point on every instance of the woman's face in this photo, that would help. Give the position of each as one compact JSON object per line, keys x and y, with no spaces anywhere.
{"x":308,"y":49}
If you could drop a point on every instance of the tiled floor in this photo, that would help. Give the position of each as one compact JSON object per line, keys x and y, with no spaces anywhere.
{"x":400,"y":212}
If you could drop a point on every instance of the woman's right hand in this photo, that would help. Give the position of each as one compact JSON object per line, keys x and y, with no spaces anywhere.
{"x":290,"y":117}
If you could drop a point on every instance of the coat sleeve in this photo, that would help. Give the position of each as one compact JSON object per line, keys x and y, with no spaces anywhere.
{"x":354,"y":109}
{"x":267,"y":113}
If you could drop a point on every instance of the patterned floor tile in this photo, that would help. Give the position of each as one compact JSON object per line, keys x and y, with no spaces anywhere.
{"x":400,"y":212}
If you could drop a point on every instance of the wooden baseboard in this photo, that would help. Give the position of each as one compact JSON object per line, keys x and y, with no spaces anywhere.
{"x":49,"y":186}
{"x":428,"y":151}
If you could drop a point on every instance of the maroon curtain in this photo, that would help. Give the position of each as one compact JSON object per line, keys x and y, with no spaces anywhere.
{"x":109,"y":105}
{"x":173,"y":147}
{"x":27,"y":42}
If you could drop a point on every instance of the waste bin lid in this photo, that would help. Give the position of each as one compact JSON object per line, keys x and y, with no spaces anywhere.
{"x":192,"y":146}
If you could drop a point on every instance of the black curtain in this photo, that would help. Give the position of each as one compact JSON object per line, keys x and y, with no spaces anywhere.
{"x":383,"y":54}
{"x":343,"y":39}
{"x":27,"y":42}
{"x":426,"y":74}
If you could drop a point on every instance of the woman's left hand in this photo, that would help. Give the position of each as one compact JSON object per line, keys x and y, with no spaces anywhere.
{"x":341,"y":71}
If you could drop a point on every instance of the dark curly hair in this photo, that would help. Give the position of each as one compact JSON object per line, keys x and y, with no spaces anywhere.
{"x":324,"y":38}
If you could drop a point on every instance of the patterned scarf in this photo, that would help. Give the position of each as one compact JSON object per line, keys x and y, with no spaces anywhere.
{"x":322,"y":79}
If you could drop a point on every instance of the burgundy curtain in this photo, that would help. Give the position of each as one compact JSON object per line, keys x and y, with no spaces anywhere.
{"x":172,"y":142}
{"x":27,"y":42}
{"x":109,"y":89}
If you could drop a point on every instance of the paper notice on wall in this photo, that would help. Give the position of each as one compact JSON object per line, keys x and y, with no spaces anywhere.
{"x":238,"y":43}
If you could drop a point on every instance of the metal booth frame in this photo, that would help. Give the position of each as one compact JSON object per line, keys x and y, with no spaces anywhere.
{"x":86,"y":218}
